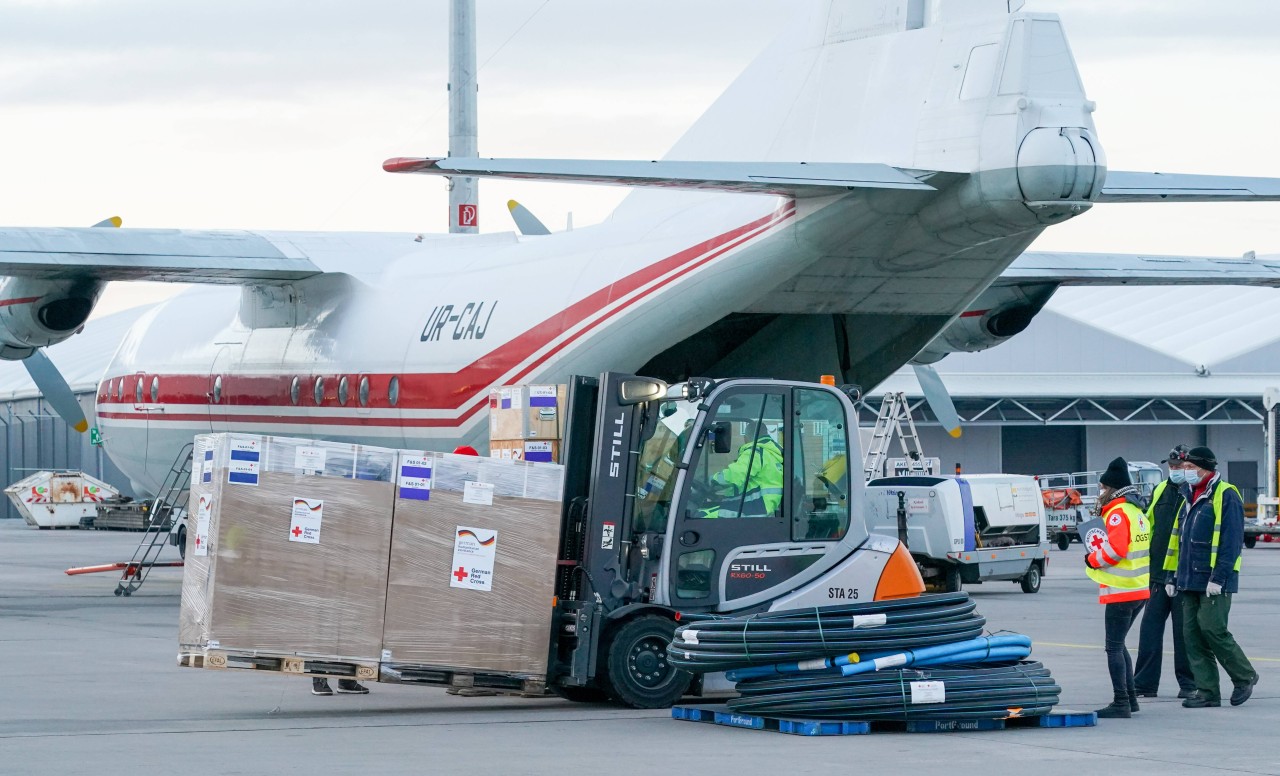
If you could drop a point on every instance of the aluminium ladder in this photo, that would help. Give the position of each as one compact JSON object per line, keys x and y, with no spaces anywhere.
{"x":894,"y":420}
{"x":170,"y":505}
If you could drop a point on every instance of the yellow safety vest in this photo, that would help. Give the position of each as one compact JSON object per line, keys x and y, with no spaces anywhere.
{"x":1133,"y":572}
{"x":1171,"y":557}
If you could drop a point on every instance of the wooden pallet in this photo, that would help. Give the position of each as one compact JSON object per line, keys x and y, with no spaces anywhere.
{"x":293,"y":665}
{"x":721,"y":715}
{"x":463,"y":681}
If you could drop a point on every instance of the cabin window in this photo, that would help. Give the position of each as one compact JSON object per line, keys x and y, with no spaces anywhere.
{"x":363,"y":392}
{"x":155,"y":389}
{"x":137,"y":391}
{"x":344,"y":391}
{"x":393,"y":391}
{"x":318,"y":392}
{"x":295,"y":391}
{"x":217,"y":389}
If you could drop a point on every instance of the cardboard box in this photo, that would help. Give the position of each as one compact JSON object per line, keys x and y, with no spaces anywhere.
{"x":473,"y":562}
{"x":527,"y":412}
{"x":287,"y":547}
{"x":534,"y":451}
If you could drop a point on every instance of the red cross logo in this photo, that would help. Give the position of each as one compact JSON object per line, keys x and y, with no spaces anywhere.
{"x":1095,"y":541}
{"x":461,"y":573}
{"x":198,"y":542}
{"x":297,"y":531}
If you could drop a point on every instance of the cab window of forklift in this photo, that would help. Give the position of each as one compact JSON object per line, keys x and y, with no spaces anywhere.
{"x":663,"y":448}
{"x":820,"y":467}
{"x":748,"y":480}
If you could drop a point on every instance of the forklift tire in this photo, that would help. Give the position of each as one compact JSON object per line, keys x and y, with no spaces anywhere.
{"x":1064,"y":541}
{"x":582,"y":694}
{"x":953,"y":583}
{"x":1250,"y":541}
{"x":182,"y":542}
{"x":636,"y":666}
{"x":1031,"y":580}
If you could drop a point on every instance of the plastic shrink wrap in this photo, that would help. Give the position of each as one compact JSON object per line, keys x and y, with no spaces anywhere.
{"x":473,"y":554}
{"x":287,"y":547}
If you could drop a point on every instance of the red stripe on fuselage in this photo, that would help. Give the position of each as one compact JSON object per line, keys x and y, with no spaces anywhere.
{"x":441,"y":391}
{"x":23,"y":300}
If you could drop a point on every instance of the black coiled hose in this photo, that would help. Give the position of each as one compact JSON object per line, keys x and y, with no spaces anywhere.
{"x":708,"y":644}
{"x":970,"y":692}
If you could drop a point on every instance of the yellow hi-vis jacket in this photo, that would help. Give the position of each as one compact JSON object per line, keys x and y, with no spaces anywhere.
{"x":1120,"y":562}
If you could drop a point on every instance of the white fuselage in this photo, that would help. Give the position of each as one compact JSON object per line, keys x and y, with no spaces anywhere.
{"x":398,"y":342}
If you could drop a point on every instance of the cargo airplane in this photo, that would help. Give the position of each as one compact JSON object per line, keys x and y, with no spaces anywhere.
{"x":860,"y":198}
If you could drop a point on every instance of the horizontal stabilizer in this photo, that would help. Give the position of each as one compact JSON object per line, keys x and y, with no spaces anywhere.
{"x":787,"y":179}
{"x":149,"y":254}
{"x":1119,"y":269}
{"x":1164,"y":187}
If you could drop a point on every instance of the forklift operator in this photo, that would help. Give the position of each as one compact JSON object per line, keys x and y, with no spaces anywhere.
{"x":751,"y":486}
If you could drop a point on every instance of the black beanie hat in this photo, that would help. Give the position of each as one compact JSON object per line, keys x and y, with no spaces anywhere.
{"x":1117,"y":475}
{"x":1203,"y":457}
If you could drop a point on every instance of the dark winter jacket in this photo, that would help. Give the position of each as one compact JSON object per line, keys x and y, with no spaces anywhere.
{"x":1195,"y":540}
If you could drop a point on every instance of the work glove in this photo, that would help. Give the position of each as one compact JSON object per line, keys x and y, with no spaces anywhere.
{"x":1170,"y":590}
{"x":1212,"y":589}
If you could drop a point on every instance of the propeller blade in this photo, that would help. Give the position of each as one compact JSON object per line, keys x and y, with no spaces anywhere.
{"x":112,"y":221}
{"x":525,"y":220}
{"x":55,"y":389}
{"x":935,"y":393}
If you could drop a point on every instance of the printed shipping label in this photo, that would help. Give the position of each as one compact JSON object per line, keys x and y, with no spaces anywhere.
{"x":246,"y":457}
{"x":309,"y":459}
{"x":928,"y":692}
{"x":415,"y":476}
{"x":204,"y":509}
{"x":537,"y":452}
{"x":480,"y":493}
{"x":306,"y":518}
{"x":474,"y":550}
{"x":542,"y":396}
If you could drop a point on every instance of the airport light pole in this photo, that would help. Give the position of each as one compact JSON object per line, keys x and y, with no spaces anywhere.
{"x":464,"y":193}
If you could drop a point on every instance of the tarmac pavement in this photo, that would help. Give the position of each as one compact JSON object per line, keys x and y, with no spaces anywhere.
{"x":90,"y":685}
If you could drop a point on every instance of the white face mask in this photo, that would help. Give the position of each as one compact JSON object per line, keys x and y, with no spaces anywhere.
{"x":1177,"y":476}
{"x":1191,"y":477}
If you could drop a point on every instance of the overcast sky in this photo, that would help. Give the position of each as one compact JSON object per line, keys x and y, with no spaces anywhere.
{"x":262,"y":114}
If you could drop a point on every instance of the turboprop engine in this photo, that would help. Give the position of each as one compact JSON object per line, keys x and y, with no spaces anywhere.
{"x":38,"y":313}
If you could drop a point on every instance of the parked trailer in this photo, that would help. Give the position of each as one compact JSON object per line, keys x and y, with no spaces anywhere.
{"x":1069,"y":498}
{"x":970,"y":529}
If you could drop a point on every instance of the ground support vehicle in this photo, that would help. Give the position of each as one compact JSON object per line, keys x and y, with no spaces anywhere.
{"x":653,"y":526}
{"x":1070,"y":498}
{"x":971,"y":529}
{"x":59,"y":499}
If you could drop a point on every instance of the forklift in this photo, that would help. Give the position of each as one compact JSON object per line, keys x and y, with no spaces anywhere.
{"x":705,"y":497}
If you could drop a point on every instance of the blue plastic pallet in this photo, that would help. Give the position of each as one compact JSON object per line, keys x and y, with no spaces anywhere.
{"x":721,"y":715}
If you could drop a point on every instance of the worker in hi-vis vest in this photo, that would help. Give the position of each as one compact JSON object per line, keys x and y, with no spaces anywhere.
{"x":751,"y":486}
{"x":1202,"y":567}
{"x":1119,"y":562}
{"x":1162,"y":513}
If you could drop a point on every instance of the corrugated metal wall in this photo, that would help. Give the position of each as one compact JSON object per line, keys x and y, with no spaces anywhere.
{"x":35,"y":439}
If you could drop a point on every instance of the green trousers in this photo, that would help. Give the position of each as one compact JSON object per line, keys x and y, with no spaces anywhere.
{"x":1208,"y":643}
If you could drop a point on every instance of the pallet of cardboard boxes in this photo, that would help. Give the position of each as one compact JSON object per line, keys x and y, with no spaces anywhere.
{"x":327,"y":559}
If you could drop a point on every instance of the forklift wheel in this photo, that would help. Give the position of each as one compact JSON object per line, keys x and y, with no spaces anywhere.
{"x":582,"y":694}
{"x":1250,"y":541}
{"x":636,"y":665}
{"x":1064,"y":541}
{"x":1031,"y":581}
{"x":953,"y":582}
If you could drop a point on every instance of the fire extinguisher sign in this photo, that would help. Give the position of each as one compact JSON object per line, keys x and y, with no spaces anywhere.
{"x":468,"y":215}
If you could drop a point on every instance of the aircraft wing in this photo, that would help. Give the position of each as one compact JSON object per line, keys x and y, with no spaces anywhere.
{"x":1165,"y":187}
{"x":788,"y":179}
{"x":1117,"y":269}
{"x":232,"y":257}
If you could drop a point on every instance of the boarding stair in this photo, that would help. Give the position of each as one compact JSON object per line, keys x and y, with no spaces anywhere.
{"x":170,"y":505}
{"x":893,"y":421}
